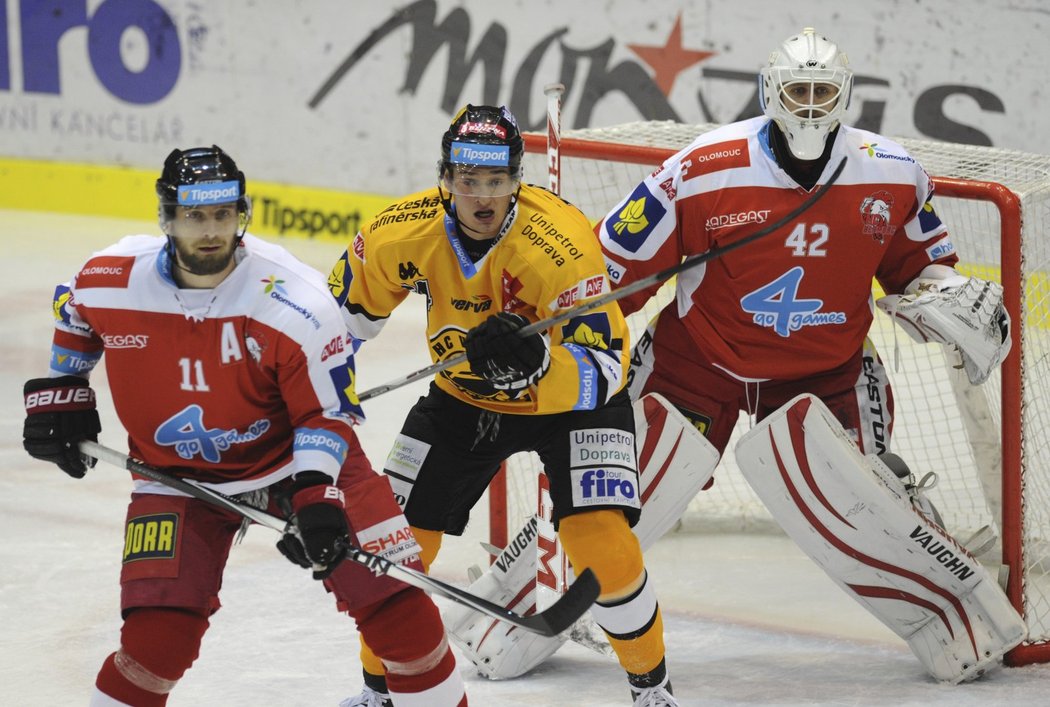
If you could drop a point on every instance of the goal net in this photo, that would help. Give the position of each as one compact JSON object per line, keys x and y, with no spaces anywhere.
{"x":989,"y":445}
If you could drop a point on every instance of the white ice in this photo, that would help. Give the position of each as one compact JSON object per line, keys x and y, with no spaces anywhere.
{"x":749,"y":620}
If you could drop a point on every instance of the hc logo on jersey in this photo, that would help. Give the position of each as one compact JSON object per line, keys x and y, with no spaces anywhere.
{"x":636,"y":219}
{"x":876,"y":211}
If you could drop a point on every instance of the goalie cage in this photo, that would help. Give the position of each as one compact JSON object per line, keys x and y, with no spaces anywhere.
{"x":990,"y":444}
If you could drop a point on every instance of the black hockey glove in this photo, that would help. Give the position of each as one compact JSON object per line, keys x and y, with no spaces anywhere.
{"x":60,"y":413}
{"x":504,"y":359}
{"x":318,"y":536}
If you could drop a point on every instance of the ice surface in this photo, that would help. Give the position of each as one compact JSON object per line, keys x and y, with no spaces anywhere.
{"x":749,"y":620}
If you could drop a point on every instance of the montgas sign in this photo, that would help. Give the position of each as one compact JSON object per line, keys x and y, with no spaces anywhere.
{"x":590,"y":74}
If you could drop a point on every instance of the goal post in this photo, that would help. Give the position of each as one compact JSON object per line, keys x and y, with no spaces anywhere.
{"x":990,"y":444}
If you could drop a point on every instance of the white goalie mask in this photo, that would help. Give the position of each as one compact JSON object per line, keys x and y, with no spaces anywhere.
{"x":805,"y":89}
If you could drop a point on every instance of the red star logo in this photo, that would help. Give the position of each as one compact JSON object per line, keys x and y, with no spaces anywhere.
{"x":669,"y":60}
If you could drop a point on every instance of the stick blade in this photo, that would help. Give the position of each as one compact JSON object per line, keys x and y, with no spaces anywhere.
{"x":573,"y":604}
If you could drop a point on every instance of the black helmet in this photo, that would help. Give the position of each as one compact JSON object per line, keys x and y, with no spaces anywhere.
{"x":200,"y":176}
{"x":476,"y":128}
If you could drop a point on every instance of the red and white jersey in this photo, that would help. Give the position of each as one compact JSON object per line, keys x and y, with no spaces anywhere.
{"x":797,"y":301}
{"x":238,"y":386}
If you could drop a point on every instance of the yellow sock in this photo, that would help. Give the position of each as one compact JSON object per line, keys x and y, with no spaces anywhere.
{"x":603,"y":541}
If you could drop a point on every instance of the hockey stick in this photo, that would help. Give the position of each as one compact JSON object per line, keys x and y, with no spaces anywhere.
{"x":553,"y":92}
{"x":691,"y":262}
{"x":559,"y":617}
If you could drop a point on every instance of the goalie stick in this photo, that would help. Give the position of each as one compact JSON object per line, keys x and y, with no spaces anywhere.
{"x":550,"y":622}
{"x":602,"y":300}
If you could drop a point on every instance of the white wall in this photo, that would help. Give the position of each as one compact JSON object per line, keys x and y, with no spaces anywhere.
{"x":124,"y":81}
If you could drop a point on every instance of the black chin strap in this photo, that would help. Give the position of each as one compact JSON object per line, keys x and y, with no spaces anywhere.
{"x":446,"y":204}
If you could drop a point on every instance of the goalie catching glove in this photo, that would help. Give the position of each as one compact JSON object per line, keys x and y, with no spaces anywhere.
{"x":965,"y":313}
{"x":60,"y":413}
{"x":317,"y":533}
{"x":506,"y":360}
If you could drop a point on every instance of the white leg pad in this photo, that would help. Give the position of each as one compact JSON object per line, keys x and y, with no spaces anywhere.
{"x":675,"y":461}
{"x":852,"y":516}
{"x":498,"y":649}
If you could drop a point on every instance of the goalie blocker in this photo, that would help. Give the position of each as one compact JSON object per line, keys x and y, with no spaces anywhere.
{"x":675,"y":461}
{"x":853,"y":517}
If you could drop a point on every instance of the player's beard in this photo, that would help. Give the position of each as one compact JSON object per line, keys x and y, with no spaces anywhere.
{"x":204,"y":263}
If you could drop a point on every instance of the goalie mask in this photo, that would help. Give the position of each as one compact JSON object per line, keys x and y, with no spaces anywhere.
{"x":805,"y":89}
{"x":201,"y":176}
{"x":481,"y":153}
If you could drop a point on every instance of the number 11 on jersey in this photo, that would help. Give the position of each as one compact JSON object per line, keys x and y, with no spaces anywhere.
{"x":193,"y":375}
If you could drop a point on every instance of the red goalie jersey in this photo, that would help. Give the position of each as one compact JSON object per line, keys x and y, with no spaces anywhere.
{"x":241,"y":385}
{"x":803,"y":291}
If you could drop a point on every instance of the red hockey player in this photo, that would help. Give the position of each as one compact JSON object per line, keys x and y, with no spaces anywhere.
{"x":789,"y":314}
{"x":229,"y":364}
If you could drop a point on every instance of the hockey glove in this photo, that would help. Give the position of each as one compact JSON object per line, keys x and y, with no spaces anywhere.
{"x":970,"y":316}
{"x":60,"y":413}
{"x":318,"y":535}
{"x":504,"y":359}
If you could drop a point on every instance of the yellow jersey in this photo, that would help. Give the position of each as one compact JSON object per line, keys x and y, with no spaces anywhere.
{"x":546,"y":260}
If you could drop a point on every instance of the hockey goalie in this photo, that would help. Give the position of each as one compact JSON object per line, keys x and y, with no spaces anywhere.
{"x":753,"y":329}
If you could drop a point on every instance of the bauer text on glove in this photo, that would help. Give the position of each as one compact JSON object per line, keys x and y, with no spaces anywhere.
{"x":60,"y":413}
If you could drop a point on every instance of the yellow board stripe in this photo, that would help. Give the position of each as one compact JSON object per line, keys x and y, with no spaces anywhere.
{"x":279,"y":209}
{"x":121,"y":192}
